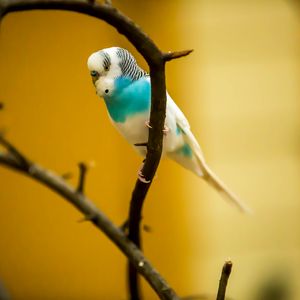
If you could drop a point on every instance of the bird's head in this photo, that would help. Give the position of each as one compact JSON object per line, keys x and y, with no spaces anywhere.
{"x":108,"y":64}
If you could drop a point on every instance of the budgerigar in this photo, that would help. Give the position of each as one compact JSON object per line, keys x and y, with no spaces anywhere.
{"x":126,"y":90}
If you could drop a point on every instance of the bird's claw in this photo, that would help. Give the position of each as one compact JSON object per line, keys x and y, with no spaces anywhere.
{"x":142,"y":178}
{"x":165,"y":130}
{"x":147,"y":123}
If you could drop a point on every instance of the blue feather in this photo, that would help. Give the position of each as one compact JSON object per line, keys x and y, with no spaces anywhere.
{"x":185,"y":150}
{"x":129,"y":98}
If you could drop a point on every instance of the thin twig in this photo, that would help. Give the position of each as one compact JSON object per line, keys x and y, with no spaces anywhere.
{"x":177,"y":54}
{"x":87,"y":218}
{"x":223,"y":280}
{"x":124,"y":226}
{"x":86,"y":206}
{"x":82,"y":175}
{"x":141,"y":144}
{"x":67,"y":175}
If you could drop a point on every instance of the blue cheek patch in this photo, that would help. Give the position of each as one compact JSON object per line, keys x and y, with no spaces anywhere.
{"x":129,"y":98}
{"x":185,"y":150}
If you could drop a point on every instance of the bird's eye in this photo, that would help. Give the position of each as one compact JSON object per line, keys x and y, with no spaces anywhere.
{"x":94,"y":73}
{"x":106,"y":68}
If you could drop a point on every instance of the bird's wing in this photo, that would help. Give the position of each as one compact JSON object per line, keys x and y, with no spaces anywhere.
{"x":183,"y":124}
{"x":181,"y":120}
{"x":207,"y":173}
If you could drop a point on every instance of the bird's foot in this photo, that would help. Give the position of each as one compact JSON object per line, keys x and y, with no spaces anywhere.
{"x":165,"y":130}
{"x":147,"y":123}
{"x":141,"y":176}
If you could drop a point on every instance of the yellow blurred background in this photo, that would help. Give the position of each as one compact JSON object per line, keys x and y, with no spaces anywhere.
{"x":240,"y":90}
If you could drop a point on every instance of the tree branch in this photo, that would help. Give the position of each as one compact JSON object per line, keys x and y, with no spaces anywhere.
{"x":156,"y":60}
{"x":223,"y":280}
{"x":93,"y":214}
{"x":18,"y":156}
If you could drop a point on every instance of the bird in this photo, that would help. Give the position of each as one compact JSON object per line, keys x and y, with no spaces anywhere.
{"x":126,"y":90}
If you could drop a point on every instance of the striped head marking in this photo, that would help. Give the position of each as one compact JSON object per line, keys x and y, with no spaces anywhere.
{"x":108,"y":64}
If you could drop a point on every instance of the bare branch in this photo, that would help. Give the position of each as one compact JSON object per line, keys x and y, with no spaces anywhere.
{"x":93,"y":214}
{"x":156,"y":60}
{"x":134,"y":219}
{"x":224,"y":279}
{"x":173,"y":55}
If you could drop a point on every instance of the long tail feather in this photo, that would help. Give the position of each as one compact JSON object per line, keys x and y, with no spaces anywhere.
{"x":211,"y":178}
{"x":198,"y":165}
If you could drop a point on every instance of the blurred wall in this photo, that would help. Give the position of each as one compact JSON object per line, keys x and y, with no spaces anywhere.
{"x":240,"y":91}
{"x":249,"y":85}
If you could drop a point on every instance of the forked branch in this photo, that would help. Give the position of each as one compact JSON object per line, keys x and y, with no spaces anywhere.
{"x":156,"y":60}
{"x":10,"y":158}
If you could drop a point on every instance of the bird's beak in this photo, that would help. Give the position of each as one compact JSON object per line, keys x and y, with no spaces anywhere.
{"x":95,"y":78}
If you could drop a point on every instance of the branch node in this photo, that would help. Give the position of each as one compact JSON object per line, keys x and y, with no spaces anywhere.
{"x":88,"y":218}
{"x":176,"y":54}
{"x":147,"y":228}
{"x":124,"y":227}
{"x":67,"y":175}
